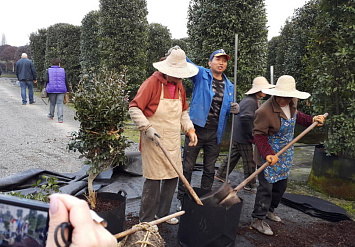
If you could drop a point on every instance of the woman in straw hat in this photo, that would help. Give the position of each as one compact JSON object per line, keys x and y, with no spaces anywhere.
{"x":160,"y":111}
{"x":242,"y":139}
{"x":273,"y":128}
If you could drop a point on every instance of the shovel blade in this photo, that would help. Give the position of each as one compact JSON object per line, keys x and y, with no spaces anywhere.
{"x":230,"y":200}
{"x":214,"y":197}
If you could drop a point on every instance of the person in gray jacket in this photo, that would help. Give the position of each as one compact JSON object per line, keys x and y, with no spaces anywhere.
{"x":26,"y":74}
{"x":242,"y":139}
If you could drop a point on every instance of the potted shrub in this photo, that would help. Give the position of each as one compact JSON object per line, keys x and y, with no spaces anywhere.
{"x":330,"y":71}
{"x":101,"y":104}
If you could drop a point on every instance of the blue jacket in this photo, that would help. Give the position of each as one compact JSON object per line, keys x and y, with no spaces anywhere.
{"x":202,"y":96}
{"x":25,"y":70}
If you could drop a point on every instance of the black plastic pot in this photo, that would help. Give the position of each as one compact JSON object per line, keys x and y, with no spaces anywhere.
{"x":334,"y":175}
{"x":115,"y":217}
{"x":208,"y":226}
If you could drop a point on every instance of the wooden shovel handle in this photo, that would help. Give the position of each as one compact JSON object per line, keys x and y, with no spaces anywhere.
{"x":154,"y":222}
{"x":261,"y":168}
{"x":180,"y":174}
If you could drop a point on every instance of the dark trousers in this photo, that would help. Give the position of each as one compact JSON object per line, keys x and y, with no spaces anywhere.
{"x":268,"y":196}
{"x":207,"y":140}
{"x":239,"y":150}
{"x":157,"y":196}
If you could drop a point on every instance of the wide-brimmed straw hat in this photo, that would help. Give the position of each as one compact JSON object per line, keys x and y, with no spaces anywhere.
{"x":176,"y":65}
{"x":259,"y":83}
{"x":286,"y":87}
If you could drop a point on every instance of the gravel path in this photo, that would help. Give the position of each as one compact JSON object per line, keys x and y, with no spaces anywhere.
{"x":29,"y":138}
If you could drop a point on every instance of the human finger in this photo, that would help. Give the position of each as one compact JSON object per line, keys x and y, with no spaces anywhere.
{"x":86,"y":232}
{"x":58,"y":213}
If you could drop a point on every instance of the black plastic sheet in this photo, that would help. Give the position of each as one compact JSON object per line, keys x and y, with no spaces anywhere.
{"x":69,"y":183}
{"x":315,"y":207}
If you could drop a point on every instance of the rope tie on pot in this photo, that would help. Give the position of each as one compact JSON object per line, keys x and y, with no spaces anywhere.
{"x":147,"y":236}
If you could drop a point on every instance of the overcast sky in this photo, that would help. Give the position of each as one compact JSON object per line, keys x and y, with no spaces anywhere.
{"x":20,"y":18}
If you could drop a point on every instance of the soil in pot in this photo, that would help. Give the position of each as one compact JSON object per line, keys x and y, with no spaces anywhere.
{"x":111,"y":207}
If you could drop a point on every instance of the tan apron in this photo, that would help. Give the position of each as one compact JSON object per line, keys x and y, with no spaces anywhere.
{"x":166,"y":121}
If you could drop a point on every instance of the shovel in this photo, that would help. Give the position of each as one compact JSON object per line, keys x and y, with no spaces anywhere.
{"x":226,"y":196}
{"x":181,"y":175}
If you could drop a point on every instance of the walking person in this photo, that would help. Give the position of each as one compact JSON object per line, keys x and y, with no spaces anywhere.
{"x":273,"y":129}
{"x":26,"y":74}
{"x":159,"y":110}
{"x":211,"y":104}
{"x":56,"y":87}
{"x":242,"y":140}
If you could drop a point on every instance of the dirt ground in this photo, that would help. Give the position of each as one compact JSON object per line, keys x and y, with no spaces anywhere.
{"x":313,"y":234}
{"x":287,"y":234}
{"x":296,"y":228}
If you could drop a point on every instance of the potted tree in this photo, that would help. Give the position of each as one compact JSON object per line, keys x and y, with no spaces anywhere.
{"x":330,"y":71}
{"x":101,"y":104}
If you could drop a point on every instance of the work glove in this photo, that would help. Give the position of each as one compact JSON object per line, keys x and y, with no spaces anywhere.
{"x":193,"y":137}
{"x":234,"y":108}
{"x":272,"y":159}
{"x":320,"y":119}
{"x":152,"y":134}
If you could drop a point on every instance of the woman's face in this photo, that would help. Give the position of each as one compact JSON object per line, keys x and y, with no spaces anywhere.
{"x":260,"y":95}
{"x":173,"y":79}
{"x":283,"y":101}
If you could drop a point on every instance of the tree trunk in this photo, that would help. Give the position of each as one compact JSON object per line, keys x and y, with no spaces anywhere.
{"x":92,"y":193}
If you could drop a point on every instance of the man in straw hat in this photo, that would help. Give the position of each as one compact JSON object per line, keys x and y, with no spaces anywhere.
{"x":159,"y":110}
{"x":273,"y":129}
{"x":243,"y":140}
{"x":211,"y":104}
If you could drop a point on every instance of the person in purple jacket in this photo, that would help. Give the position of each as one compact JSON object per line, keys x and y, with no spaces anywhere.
{"x":57,"y":87}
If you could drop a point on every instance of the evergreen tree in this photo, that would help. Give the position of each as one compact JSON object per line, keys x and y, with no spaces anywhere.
{"x":123,"y":39}
{"x":63,"y":42}
{"x":331,"y":70}
{"x":89,"y":41}
{"x":159,"y":44}
{"x":213,"y":24}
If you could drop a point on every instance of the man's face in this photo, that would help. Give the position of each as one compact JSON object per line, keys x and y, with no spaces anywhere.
{"x":218,"y":64}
